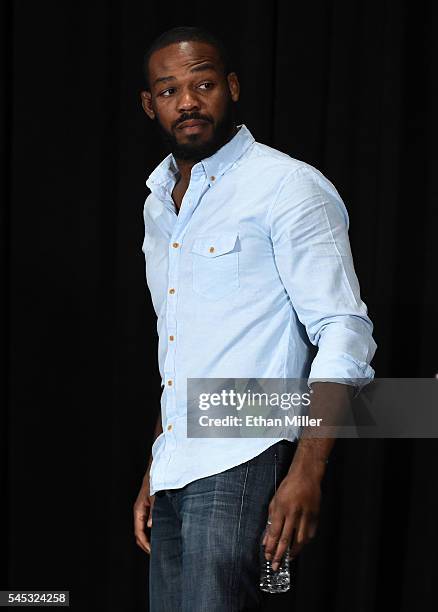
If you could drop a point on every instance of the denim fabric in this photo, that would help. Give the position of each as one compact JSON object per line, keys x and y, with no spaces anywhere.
{"x":206,"y":537}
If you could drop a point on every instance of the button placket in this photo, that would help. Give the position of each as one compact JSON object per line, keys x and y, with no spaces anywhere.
{"x":169,"y":364}
{"x":175,"y":246}
{"x":189,"y":204}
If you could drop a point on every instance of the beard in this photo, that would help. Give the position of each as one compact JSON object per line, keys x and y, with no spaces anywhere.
{"x":196,"y":150}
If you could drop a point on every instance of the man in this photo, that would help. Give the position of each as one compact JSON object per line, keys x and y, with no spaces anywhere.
{"x":249,"y":266}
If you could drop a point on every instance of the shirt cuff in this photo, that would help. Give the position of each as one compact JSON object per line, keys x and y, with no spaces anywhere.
{"x":343,"y":369}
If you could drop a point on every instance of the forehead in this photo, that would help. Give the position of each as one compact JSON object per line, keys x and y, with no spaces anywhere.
{"x":180,"y":57}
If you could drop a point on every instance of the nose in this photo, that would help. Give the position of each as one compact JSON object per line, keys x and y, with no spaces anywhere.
{"x":187,"y":101}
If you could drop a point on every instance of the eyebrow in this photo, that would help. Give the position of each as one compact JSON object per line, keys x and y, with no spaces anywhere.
{"x":199,"y":68}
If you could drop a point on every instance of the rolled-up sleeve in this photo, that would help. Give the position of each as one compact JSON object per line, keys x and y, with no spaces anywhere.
{"x":308,"y":223}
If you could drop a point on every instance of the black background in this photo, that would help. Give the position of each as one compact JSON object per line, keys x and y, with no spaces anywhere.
{"x":346,"y":86}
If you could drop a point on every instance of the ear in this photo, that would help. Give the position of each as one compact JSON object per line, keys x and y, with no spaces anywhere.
{"x":234,"y":86}
{"x":146,"y":102}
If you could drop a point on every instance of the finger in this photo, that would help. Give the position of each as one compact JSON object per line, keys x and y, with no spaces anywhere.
{"x":313,"y":527}
{"x":296,"y":520}
{"x":266,"y":532}
{"x":302,"y":530}
{"x":140,"y":518}
{"x":300,"y":536}
{"x":293,"y":521}
{"x":151,"y":507}
{"x":283,"y":544}
{"x":293,"y":549}
{"x":273,"y":534}
{"x":310,"y":526}
{"x":265,"y":537}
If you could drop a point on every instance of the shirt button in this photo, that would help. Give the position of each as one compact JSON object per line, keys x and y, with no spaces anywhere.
{"x":175,"y":245}
{"x":172,"y":291}
{"x":170,"y":383}
{"x":211,"y":249}
{"x":212,"y":178}
{"x":171,"y":338}
{"x":169,"y":427}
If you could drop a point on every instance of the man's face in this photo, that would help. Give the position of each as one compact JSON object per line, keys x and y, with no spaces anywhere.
{"x":191,"y":98}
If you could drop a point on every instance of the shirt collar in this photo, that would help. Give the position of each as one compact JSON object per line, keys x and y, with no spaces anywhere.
{"x":214,"y":166}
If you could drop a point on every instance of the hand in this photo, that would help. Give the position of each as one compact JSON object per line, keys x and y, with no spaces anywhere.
{"x":293,"y":510}
{"x":143,"y":515}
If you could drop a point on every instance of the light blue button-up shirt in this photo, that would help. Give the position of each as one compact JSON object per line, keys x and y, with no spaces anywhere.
{"x":254,"y":269}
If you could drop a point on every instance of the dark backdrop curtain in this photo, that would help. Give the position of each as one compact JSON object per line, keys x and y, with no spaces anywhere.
{"x":346,"y":86}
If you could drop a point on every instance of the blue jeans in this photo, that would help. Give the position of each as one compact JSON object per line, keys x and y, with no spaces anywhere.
{"x":206,"y":537}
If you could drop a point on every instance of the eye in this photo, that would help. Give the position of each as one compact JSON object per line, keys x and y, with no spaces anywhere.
{"x":207,"y":85}
{"x":167,"y":92}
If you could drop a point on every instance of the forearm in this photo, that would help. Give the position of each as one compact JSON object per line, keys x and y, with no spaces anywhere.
{"x":330,"y":402}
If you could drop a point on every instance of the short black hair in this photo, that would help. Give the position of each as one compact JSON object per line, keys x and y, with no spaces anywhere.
{"x":184,"y":34}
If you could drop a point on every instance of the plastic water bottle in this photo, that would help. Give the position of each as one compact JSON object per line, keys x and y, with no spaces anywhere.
{"x":278,"y":581}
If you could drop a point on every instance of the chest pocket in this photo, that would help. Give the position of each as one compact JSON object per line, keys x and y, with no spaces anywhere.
{"x":216,"y":265}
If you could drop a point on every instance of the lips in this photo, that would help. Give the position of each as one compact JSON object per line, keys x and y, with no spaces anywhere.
{"x":191,"y":123}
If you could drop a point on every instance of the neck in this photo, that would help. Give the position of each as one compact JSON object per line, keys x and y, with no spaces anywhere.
{"x":185,"y":165}
{"x":185,"y":168}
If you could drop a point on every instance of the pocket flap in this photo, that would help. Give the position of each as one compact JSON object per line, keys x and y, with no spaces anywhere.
{"x":212,"y":246}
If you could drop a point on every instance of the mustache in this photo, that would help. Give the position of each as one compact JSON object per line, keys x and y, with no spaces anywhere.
{"x":191,"y":117}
